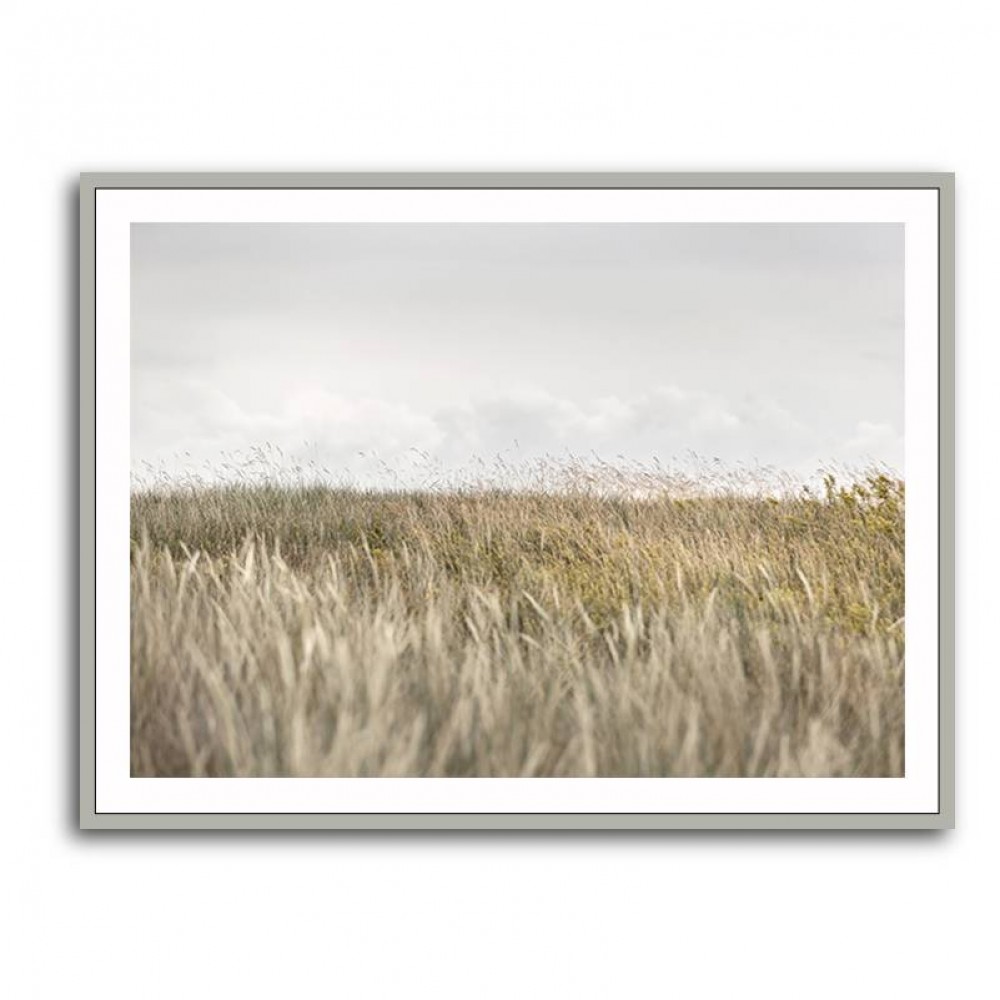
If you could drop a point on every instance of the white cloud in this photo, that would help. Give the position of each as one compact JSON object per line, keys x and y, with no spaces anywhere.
{"x":351,"y":436}
{"x":875,"y":442}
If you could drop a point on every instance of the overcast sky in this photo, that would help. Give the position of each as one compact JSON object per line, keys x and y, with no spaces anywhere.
{"x":778,"y":344}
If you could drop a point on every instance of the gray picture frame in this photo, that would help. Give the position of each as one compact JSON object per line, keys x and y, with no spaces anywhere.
{"x":944,"y":817}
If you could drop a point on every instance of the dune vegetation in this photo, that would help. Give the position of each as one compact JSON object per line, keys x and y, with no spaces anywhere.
{"x":297,"y":630}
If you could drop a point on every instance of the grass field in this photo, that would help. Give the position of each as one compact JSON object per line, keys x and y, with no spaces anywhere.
{"x":304,"y":631}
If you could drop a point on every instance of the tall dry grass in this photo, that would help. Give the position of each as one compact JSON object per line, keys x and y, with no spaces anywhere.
{"x":328,"y":632}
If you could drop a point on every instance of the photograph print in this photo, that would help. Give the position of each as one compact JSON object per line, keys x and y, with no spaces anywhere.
{"x":506,"y":497}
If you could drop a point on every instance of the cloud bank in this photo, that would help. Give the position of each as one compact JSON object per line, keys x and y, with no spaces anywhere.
{"x":364,"y":440}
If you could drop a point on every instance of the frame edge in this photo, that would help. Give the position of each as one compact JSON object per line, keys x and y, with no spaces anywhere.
{"x":88,"y":541}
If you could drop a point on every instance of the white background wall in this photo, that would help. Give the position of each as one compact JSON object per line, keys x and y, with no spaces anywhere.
{"x":439,"y":85}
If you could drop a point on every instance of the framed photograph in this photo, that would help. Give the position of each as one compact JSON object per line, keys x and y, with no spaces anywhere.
{"x":516,"y":501}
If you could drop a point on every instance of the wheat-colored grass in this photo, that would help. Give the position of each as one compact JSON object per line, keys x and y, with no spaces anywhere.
{"x":327,"y":632}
